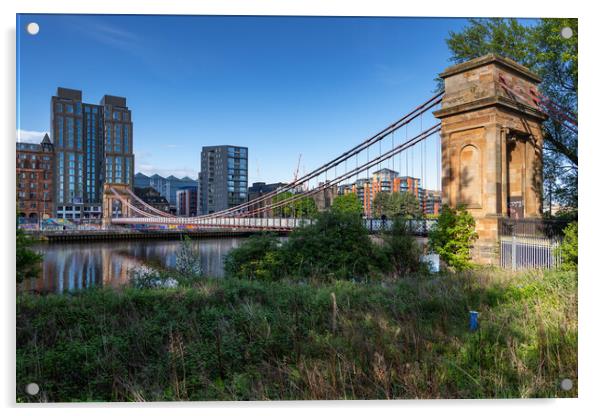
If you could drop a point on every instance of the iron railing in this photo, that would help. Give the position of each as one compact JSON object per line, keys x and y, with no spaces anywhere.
{"x":531,"y":243}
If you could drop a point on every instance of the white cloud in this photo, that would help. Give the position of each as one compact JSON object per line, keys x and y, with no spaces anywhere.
{"x":30,"y":136}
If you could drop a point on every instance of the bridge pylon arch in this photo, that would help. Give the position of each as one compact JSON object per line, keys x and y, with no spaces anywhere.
{"x":108,"y":199}
{"x":491,"y":145}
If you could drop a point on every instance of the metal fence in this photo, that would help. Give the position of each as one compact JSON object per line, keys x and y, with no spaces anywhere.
{"x":416,"y":227}
{"x":530,"y":243}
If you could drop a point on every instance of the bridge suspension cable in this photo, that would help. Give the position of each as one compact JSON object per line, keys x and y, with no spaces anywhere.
{"x":403,"y":121}
{"x":266,"y":202}
{"x":150,"y":219}
{"x":129,"y":205}
{"x":371,"y":163}
{"x":552,"y":109}
{"x":149,"y":207}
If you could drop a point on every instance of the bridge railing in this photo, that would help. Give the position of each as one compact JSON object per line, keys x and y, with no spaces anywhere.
{"x":419,"y":227}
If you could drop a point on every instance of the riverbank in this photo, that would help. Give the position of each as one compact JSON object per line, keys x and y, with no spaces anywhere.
{"x":230,"y":339}
{"x":134,"y":234}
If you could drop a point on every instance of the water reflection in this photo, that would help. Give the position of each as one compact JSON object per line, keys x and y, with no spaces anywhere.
{"x":76,"y":266}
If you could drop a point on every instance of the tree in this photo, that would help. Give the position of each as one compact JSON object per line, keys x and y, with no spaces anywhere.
{"x":302,"y":207}
{"x":380,"y":203}
{"x":541,"y":48}
{"x":348,"y":203}
{"x":28,"y":261}
{"x":453,"y":237}
{"x":188,"y":261}
{"x":397,"y":204}
{"x":404,"y":205}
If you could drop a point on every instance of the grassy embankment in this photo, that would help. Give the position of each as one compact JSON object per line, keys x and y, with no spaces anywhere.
{"x":234,"y":339}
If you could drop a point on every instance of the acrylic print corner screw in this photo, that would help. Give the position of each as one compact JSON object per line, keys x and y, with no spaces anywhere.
{"x":291,"y":208}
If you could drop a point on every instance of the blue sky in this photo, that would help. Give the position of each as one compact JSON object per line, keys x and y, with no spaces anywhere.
{"x":282,"y":86}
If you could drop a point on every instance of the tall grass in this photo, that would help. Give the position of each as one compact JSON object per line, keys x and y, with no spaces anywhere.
{"x":247,"y":340}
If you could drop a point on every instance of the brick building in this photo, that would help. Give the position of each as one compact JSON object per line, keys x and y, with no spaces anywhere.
{"x":35,"y":179}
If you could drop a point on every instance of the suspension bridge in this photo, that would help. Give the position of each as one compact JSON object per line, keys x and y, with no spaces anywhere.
{"x":487,"y":138}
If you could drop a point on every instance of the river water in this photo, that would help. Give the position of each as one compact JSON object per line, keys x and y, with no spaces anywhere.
{"x":75,"y":266}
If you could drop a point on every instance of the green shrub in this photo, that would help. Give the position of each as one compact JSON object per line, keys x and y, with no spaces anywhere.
{"x":569,"y":247}
{"x":453,"y":237}
{"x":401,"y":249}
{"x":257,"y":258}
{"x":336,"y":245}
{"x":28,"y":261}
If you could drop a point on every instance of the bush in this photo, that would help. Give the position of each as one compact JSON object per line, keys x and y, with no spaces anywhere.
{"x":336,"y":245}
{"x":256,"y":258}
{"x":402,"y":250}
{"x":453,"y":237}
{"x":188,"y":262}
{"x":28,"y":261}
{"x":569,"y":247}
{"x":145,"y":278}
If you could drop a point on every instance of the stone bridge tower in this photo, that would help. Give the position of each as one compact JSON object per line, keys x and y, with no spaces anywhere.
{"x":491,"y":145}
{"x":109,"y":199}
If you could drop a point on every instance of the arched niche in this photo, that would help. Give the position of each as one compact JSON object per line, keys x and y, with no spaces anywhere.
{"x":471,"y":177}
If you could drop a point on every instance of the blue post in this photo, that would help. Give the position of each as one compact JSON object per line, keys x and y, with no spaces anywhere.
{"x":474,"y":320}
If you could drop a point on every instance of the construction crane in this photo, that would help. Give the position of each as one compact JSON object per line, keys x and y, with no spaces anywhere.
{"x":297,"y":169}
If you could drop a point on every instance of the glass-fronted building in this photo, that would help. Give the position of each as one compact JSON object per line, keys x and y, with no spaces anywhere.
{"x":93,"y":145}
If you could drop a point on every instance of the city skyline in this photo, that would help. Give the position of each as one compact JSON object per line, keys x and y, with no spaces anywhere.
{"x":326,"y":81}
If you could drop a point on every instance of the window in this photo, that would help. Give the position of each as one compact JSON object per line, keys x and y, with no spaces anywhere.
{"x":71,"y":179}
{"x":109,"y":169}
{"x":116,"y":115}
{"x":58,"y":107}
{"x":61,"y":172}
{"x":69,"y":108}
{"x":109,"y":145}
{"x":126,"y":138}
{"x":118,"y":177}
{"x":78,"y":108}
{"x":70,"y":133}
{"x":118,"y":138}
{"x":59,"y":124}
{"x":128,"y":169}
{"x":78,"y":125}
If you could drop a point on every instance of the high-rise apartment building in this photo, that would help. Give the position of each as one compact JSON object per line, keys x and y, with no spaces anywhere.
{"x":387,"y":180}
{"x":223,"y":178}
{"x":93,"y":144}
